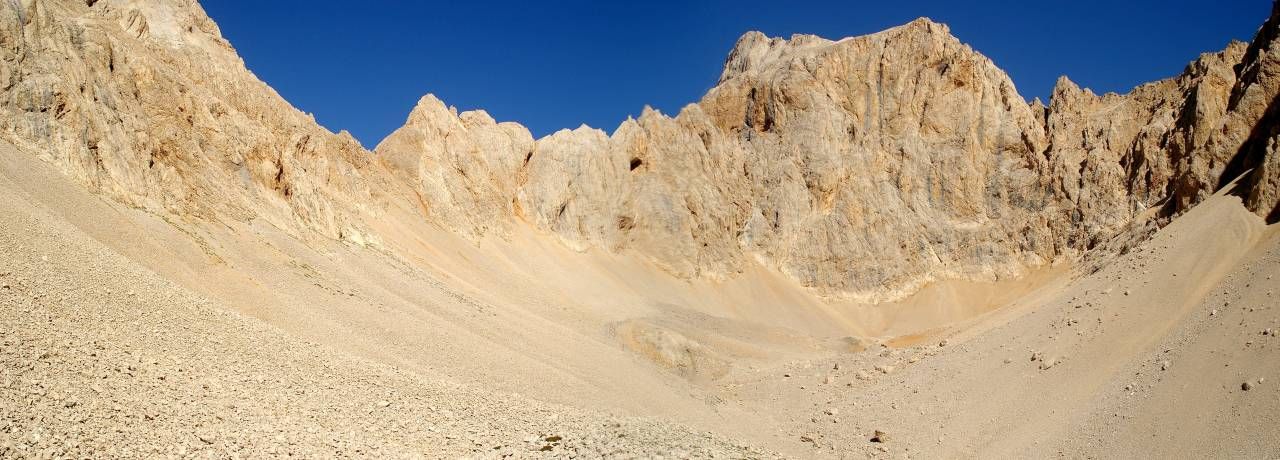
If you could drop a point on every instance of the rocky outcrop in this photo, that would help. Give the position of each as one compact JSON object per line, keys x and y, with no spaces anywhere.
{"x":862,"y":168}
{"x":879,"y":163}
{"x":1251,"y":127}
{"x":865,"y":166}
{"x":869,"y":166}
{"x":145,"y":102}
{"x":462,"y":168}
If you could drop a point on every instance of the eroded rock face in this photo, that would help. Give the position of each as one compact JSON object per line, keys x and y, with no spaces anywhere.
{"x":868,"y":166}
{"x":1251,"y":127}
{"x":144,"y":101}
{"x":871,"y":165}
{"x":462,"y":168}
{"x":863,"y":167}
{"x":878,"y":163}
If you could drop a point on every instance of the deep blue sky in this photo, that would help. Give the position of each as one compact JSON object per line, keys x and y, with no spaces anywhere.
{"x":361,"y":65}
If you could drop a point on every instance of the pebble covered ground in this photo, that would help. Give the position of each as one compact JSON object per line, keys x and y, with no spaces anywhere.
{"x":102,"y":358}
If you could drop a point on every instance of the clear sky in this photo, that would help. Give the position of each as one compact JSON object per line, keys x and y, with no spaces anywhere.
{"x":361,"y":65}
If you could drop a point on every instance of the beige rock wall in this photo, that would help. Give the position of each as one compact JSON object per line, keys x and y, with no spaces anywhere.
{"x":862,"y":167}
{"x":144,"y":101}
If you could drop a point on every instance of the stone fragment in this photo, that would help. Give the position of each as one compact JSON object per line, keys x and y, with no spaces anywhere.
{"x":880,"y":436}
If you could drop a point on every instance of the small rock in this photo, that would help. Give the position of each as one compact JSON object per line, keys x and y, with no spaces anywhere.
{"x":384,"y":403}
{"x":826,"y":380}
{"x":1035,"y":356}
{"x":884,"y":368}
{"x":1213,"y":312}
{"x":207,"y":437}
{"x":880,"y":436}
{"x":1267,"y":331}
{"x":1048,"y":363}
{"x":1164,"y":365}
{"x":1246,"y":386}
{"x":943,"y":343}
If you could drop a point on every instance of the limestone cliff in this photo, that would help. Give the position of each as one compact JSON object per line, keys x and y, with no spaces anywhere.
{"x":862,"y":167}
{"x":867,"y":166}
{"x":145,"y":102}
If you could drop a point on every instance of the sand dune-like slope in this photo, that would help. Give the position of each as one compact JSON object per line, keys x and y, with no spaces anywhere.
{"x":123,"y":336}
{"x":103,"y":357}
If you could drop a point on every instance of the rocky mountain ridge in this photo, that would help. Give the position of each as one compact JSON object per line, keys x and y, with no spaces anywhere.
{"x":869,"y":166}
{"x":862,"y":168}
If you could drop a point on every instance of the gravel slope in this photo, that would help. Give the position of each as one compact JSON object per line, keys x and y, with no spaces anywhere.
{"x":100,"y":357}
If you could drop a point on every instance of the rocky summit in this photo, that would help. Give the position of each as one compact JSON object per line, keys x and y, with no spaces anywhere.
{"x":841,"y":239}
